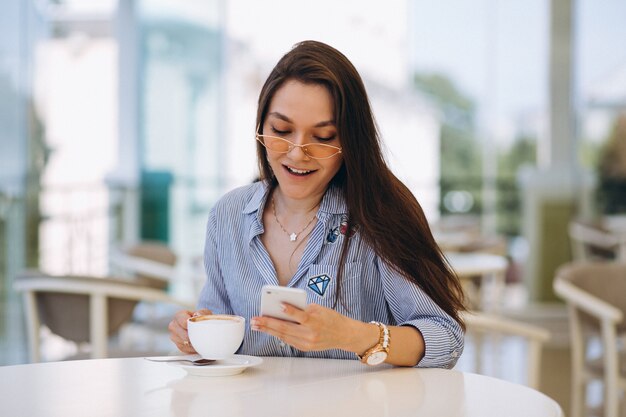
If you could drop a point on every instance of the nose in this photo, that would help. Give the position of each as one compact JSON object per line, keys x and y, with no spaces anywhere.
{"x":297,"y":151}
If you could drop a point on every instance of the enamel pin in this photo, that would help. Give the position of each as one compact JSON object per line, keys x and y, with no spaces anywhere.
{"x":343,"y":229}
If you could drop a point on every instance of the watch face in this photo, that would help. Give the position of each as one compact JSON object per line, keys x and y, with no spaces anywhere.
{"x":377,"y":358}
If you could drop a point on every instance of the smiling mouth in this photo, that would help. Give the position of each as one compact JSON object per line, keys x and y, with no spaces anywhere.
{"x":299,"y":172}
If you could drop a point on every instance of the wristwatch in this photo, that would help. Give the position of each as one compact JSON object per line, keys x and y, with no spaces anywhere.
{"x":377,"y":354}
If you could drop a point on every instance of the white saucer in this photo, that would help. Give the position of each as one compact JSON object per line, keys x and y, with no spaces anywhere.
{"x":223,"y":367}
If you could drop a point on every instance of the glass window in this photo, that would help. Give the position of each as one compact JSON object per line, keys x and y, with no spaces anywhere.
{"x":180,"y":108}
{"x":601,"y":85}
{"x":484,"y":65}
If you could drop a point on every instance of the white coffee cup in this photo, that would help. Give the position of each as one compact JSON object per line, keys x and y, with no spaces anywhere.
{"x":216,"y":336}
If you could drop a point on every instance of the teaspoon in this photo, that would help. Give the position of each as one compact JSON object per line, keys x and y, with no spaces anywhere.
{"x":196,"y":362}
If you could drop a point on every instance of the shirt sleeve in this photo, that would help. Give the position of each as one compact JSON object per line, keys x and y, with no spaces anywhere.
{"x":213,"y":295}
{"x":410,"y":306}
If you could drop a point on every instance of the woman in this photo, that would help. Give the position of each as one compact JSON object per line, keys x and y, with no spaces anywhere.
{"x":328,"y":216}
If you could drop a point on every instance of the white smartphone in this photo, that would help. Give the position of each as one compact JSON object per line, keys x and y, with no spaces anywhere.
{"x":272,"y":296}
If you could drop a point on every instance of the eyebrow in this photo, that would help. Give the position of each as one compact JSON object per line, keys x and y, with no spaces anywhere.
{"x":288,"y":120}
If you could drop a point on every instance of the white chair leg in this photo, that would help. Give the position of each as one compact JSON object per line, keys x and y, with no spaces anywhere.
{"x":33,"y":326}
{"x":479,"y":344}
{"x":534,"y":364}
{"x":579,"y":392}
{"x":611,"y":371}
{"x":98,"y":325}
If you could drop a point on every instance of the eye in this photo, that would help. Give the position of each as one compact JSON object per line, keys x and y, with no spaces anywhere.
{"x":325,"y":139}
{"x":279,"y":132}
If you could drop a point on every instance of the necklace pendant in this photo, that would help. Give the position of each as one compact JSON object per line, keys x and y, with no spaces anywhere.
{"x":293,"y":237}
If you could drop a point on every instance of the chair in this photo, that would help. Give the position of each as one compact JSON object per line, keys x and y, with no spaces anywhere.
{"x":156,"y":263}
{"x":464,"y":234}
{"x":592,"y":242}
{"x":483,"y":277}
{"x":82,"y":308}
{"x":596,"y":297}
{"x":483,"y":324}
{"x":152,"y":262}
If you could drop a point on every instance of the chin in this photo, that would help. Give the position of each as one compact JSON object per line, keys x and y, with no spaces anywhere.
{"x":299,"y":191}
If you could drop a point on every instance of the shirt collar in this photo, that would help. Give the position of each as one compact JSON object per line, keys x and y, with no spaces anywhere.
{"x":258,"y":199}
{"x":334,"y":201}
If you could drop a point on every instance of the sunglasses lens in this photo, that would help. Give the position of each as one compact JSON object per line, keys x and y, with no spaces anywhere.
{"x":275,"y":144}
{"x":317,"y":150}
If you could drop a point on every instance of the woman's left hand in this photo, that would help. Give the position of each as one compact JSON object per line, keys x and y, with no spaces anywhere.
{"x":316,"y":328}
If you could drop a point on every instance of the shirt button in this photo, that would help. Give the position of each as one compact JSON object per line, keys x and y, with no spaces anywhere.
{"x":282,"y":344}
{"x":455,"y":354}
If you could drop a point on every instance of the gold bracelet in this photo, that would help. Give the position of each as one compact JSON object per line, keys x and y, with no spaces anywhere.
{"x":378,"y":353}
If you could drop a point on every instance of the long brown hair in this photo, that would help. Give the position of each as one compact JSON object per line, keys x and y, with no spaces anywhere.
{"x":388,"y":216}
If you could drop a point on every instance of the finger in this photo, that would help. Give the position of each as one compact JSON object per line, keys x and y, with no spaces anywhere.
{"x":294,"y":312}
{"x":282,"y":329}
{"x":181,"y":318}
{"x":178,"y":330}
{"x":181,"y":340}
{"x":177,"y":334}
{"x":186,"y":347}
{"x":292,"y":334}
{"x":202,"y":312}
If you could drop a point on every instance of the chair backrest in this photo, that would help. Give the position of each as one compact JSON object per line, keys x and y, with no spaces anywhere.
{"x":596,"y":296}
{"x":491,"y":324}
{"x":67,"y":315}
{"x":152,"y":262}
{"x":154,"y":251}
{"x":601,"y":284}
{"x":589,"y":242}
{"x":82,"y":308}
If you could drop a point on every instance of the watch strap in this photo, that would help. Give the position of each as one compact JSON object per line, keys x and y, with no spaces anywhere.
{"x":384,"y":339}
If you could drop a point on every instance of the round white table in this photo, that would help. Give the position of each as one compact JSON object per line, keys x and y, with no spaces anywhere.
{"x":277,"y":387}
{"x":467,"y":264}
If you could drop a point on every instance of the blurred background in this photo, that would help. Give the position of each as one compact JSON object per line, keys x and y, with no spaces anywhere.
{"x":123,"y":121}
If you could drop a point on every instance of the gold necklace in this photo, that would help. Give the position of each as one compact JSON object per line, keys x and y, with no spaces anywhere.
{"x":293,"y":235}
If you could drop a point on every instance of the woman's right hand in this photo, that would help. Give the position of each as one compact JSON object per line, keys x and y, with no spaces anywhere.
{"x":178,"y":329}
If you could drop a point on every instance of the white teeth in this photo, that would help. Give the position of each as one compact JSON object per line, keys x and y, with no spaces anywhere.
{"x":297,"y":171}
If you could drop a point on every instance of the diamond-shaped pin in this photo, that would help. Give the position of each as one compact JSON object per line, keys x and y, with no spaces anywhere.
{"x":319,"y":283}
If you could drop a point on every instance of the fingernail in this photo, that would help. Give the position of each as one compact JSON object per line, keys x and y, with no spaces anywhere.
{"x":283,"y":306}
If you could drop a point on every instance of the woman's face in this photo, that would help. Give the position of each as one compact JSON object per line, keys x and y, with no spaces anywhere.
{"x":302,"y":113}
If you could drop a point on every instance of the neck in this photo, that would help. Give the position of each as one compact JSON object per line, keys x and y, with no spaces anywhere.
{"x":296,"y":207}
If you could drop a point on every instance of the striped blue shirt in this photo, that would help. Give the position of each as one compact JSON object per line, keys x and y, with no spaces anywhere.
{"x":238,"y":265}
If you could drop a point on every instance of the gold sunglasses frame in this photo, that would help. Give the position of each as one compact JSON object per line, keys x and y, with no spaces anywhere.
{"x":293,"y":145}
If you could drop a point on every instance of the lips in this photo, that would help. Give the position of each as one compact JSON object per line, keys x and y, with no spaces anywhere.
{"x":298,"y":172}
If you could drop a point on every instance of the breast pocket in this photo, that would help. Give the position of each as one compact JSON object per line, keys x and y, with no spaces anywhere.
{"x":322,"y":287}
